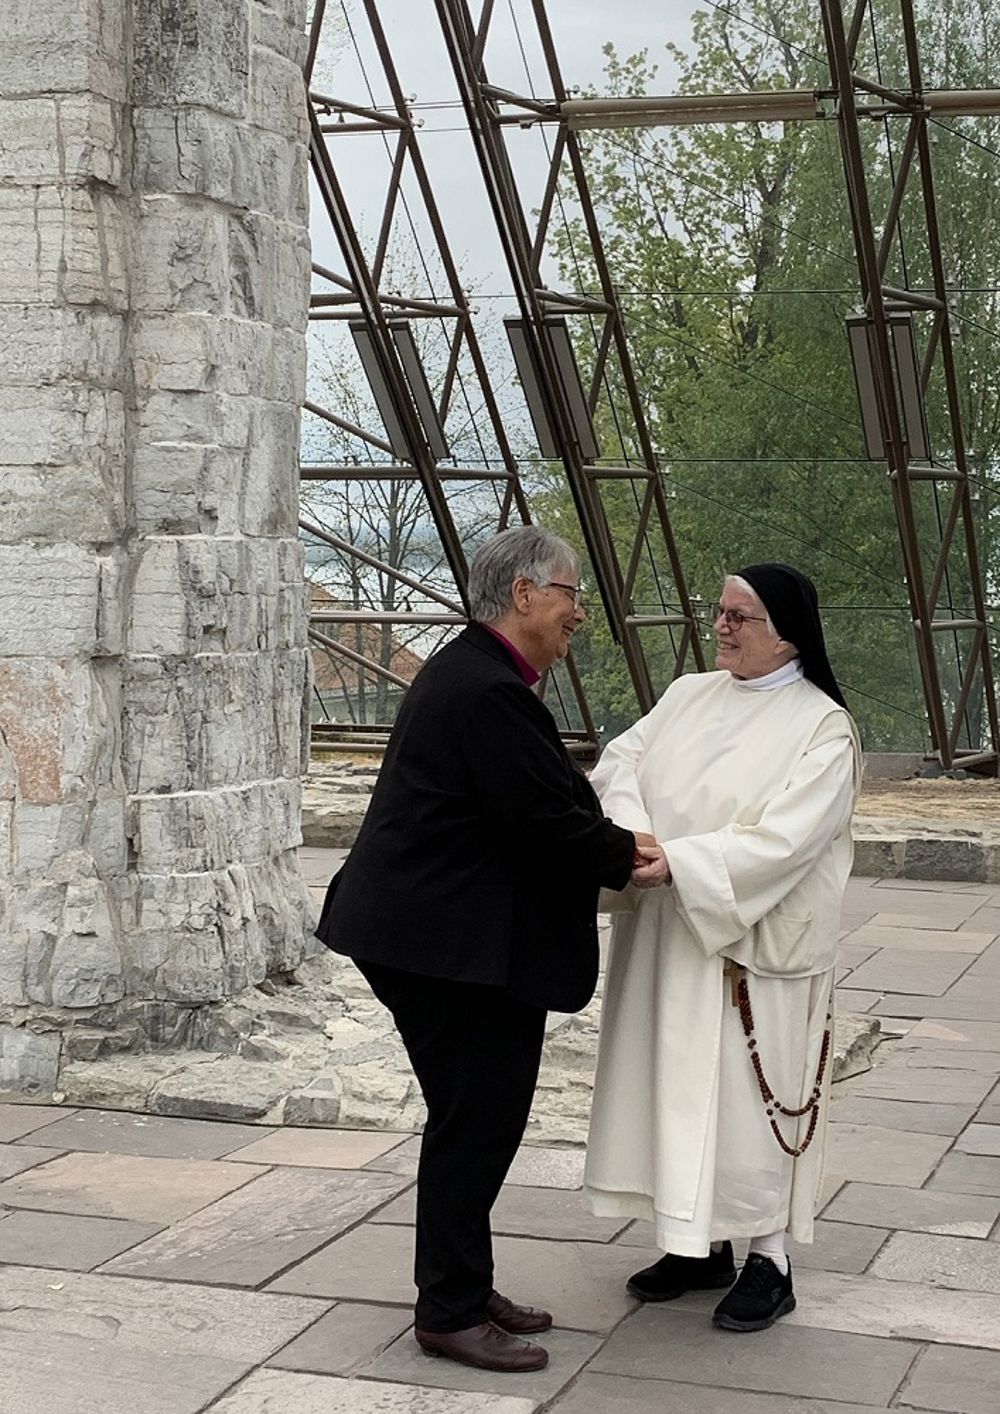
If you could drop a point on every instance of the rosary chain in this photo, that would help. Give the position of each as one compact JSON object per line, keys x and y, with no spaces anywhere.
{"x":811,"y":1107}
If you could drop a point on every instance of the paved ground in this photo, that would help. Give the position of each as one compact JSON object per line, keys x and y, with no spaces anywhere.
{"x":178,"y":1266}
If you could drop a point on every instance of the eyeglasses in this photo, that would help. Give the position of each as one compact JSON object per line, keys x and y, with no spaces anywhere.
{"x":735,"y":619}
{"x":575,"y":591}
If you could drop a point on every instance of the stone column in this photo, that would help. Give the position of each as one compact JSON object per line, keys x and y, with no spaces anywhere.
{"x":154,"y":275}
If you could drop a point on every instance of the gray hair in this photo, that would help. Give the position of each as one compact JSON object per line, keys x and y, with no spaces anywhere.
{"x":526,"y":550}
{"x":749,"y":589}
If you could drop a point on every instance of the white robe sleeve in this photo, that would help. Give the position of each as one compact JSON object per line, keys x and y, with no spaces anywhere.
{"x":726,"y":881}
{"x":614,"y":778}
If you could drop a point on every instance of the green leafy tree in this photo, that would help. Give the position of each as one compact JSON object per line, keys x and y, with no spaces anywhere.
{"x":732,"y":248}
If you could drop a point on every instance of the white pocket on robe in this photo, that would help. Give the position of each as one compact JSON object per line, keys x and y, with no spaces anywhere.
{"x":792,"y":945}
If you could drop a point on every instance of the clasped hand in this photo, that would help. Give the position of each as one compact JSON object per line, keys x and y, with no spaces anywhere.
{"x":650,"y":867}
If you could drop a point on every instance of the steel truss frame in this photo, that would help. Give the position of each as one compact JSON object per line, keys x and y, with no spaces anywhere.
{"x":873,"y":244}
{"x":360,"y":300}
{"x":358,"y":297}
{"x":950,"y":483}
{"x":850,"y":99}
{"x":524,"y":244}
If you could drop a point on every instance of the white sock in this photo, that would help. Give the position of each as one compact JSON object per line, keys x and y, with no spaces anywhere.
{"x":773,"y":1246}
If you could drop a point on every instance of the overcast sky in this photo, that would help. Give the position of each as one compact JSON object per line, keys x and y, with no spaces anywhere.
{"x":580,"y":27}
{"x":348,"y":67}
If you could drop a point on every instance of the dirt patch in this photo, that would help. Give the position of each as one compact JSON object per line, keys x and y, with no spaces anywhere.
{"x":972,"y":801}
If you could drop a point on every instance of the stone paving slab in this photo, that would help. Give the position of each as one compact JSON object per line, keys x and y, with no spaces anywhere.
{"x":980,"y":1139}
{"x":962,"y":1173}
{"x":932,"y":886}
{"x":555,"y":1213}
{"x":372,"y":1263}
{"x":990,"y":1111}
{"x":349,"y":1336}
{"x":319,"y":865}
{"x":180,"y":1317}
{"x":851,"y":954}
{"x":908,"y":927}
{"x":915,"y":1209}
{"x":69,"y":1374}
{"x":894,"y":1028}
{"x":983,"y":1062}
{"x":936,"y":907}
{"x":958,"y":1263}
{"x":987,"y":964}
{"x":838,"y":1247}
{"x":152,"y":1136}
{"x":86,"y":1344}
{"x":581,"y":1283}
{"x":986,"y":918}
{"x":16,"y":1120}
{"x":965,"y":1001}
{"x":958,"y":1381}
{"x":547,"y":1168}
{"x":282,"y":1392}
{"x":904,"y":1078}
{"x":920,"y":1117}
{"x":913,"y":1173}
{"x":909,"y":936}
{"x":865,"y":1304}
{"x":124,"y":1186}
{"x":250,"y":1236}
{"x":683,"y":1345}
{"x":318,"y":1148}
{"x":568,"y":1351}
{"x":952,"y":1036}
{"x":896,"y":969}
{"x":856,"y":1001}
{"x":621,"y":1394}
{"x":402,"y":1159}
{"x":18,"y":1158}
{"x":854,"y":913}
{"x":61,"y":1240}
{"x":867,"y":1153}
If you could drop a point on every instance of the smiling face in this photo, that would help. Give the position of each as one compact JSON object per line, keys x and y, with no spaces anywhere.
{"x":547,"y":617}
{"x":750,"y":649}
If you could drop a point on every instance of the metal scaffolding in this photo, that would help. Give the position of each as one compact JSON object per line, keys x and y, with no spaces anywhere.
{"x":411,"y":443}
{"x":938,"y":549}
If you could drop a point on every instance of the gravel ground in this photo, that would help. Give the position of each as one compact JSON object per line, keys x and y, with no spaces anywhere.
{"x":973,"y":800}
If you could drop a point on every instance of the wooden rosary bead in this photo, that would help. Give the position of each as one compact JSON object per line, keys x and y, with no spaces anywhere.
{"x":811,"y":1107}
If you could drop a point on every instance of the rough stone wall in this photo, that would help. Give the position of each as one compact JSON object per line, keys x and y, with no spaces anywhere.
{"x":154,"y":271}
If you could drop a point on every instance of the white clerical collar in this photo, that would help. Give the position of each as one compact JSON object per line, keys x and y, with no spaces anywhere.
{"x":788,"y":672}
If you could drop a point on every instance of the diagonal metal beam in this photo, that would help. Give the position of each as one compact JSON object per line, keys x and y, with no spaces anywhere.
{"x":950,"y":483}
{"x":523,"y":245}
{"x":358,"y":297}
{"x":386,"y":353}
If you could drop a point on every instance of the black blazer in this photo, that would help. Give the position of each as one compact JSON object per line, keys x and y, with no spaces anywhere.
{"x":483,"y":848}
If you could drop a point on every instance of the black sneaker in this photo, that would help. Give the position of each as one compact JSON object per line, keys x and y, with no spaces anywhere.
{"x":760,"y":1296}
{"x":671,"y":1276}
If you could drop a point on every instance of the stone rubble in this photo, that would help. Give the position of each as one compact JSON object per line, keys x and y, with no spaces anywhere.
{"x":314,"y":1048}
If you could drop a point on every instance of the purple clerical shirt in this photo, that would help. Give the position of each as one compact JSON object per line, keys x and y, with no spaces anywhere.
{"x":528,"y":673}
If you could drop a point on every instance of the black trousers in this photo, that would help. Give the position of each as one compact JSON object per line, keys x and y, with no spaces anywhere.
{"x":475,"y":1051}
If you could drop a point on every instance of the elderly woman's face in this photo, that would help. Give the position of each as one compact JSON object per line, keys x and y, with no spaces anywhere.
{"x":551,"y":614}
{"x":745,"y":645}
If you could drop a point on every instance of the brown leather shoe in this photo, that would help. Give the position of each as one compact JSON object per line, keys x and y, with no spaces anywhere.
{"x":486,"y":1347}
{"x":518,"y":1320}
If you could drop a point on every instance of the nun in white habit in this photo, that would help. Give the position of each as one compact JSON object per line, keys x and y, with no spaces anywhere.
{"x":714,"y":1064}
